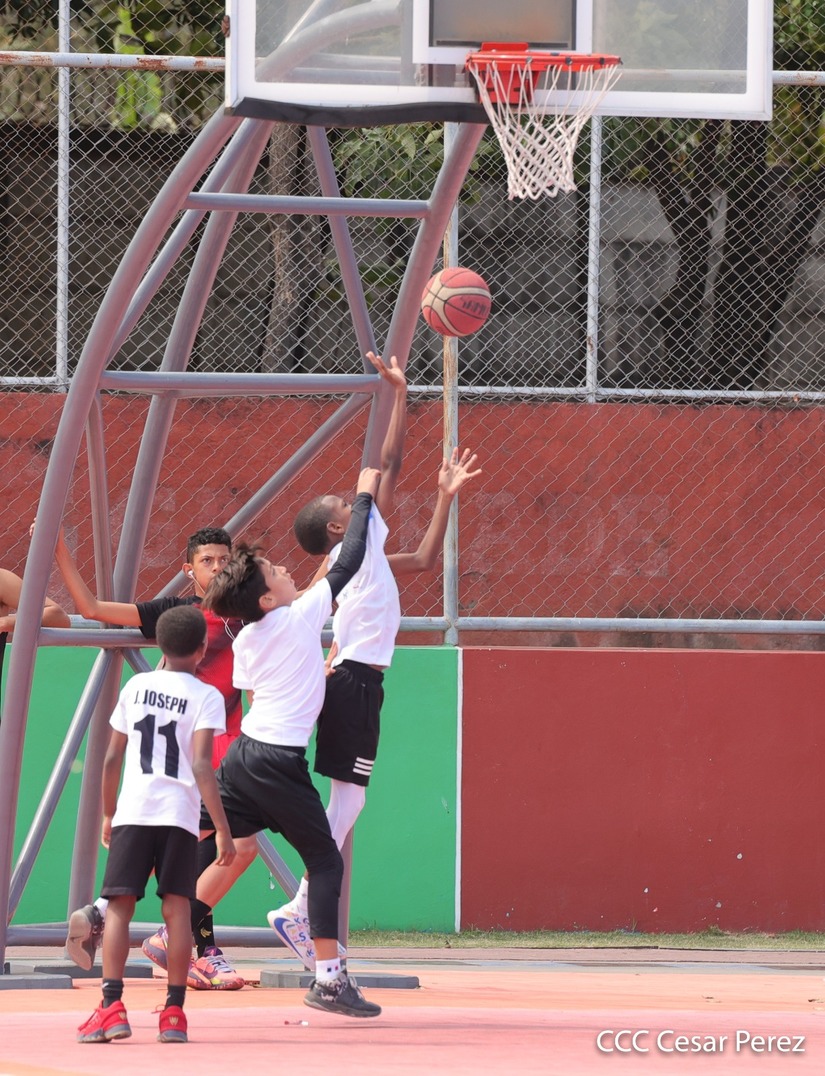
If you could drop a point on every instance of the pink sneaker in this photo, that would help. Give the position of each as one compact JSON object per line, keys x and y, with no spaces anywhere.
{"x":212,"y":971}
{"x":155,"y":947}
{"x":105,"y":1025}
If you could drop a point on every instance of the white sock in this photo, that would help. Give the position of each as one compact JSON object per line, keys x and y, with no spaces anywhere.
{"x":299,"y":901}
{"x":102,"y":903}
{"x":328,"y":971}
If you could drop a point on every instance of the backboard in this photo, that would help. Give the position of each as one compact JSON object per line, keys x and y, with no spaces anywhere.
{"x":371,"y":62}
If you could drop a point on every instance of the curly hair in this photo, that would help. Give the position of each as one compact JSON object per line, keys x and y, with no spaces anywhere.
{"x":180,"y":631}
{"x":206,"y":536}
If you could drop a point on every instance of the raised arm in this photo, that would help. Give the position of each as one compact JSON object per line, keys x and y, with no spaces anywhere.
{"x":453,"y":473}
{"x":392,"y":449}
{"x":86,"y":603}
{"x":11,"y":586}
{"x":354,"y":545}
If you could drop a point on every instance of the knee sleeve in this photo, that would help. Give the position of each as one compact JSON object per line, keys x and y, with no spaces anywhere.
{"x":346,"y":801}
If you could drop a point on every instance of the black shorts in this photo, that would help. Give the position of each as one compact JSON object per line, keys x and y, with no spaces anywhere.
{"x":265,"y":786}
{"x":346,"y":740}
{"x":136,"y":851}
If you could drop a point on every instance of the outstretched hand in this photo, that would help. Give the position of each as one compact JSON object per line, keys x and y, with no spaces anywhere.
{"x":368,"y":481}
{"x":392,"y":373}
{"x":61,"y":534}
{"x":456,"y":470}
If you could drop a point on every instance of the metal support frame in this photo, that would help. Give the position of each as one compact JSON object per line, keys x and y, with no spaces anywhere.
{"x":234,"y":148}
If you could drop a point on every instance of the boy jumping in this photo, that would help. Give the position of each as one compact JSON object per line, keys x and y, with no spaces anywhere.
{"x":264,"y":779}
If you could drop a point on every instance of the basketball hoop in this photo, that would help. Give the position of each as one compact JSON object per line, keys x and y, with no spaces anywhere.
{"x":536,"y":126}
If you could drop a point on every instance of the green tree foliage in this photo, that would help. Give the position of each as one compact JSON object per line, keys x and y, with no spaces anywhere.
{"x":759,"y":186}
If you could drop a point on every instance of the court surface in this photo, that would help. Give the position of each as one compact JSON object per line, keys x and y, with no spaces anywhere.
{"x":476,"y":1011}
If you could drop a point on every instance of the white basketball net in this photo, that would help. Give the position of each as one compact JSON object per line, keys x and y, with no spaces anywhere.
{"x":538,"y":138}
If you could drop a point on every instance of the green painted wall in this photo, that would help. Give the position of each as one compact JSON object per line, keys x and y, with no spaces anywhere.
{"x":405,"y":841}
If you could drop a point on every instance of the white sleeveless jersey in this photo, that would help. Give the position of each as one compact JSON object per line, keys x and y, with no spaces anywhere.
{"x":160,"y":711}
{"x":369,"y":613}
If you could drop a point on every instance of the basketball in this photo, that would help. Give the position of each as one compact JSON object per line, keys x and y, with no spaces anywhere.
{"x":456,"y":302}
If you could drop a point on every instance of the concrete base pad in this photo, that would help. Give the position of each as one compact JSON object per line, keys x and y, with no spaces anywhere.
{"x":13,"y":980}
{"x":69,"y":969}
{"x":292,"y":980}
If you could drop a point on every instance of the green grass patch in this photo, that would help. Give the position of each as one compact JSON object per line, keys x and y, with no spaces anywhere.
{"x":585,"y":939}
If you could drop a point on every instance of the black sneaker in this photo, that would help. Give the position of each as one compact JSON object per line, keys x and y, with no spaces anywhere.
{"x":342,"y":997}
{"x":85,"y":936}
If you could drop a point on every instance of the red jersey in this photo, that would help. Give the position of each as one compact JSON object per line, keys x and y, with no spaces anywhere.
{"x":216,"y":667}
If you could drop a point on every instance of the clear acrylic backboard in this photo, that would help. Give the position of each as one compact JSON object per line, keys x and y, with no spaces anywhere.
{"x":369,"y":62}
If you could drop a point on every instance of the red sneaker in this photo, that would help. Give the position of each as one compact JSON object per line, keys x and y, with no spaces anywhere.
{"x":172,"y":1025}
{"x":105,"y":1025}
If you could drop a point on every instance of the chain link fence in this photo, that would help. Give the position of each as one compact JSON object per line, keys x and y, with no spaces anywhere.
{"x":646,"y":399}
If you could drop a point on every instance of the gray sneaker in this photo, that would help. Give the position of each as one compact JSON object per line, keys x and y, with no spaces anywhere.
{"x":342,"y":997}
{"x":85,"y":936}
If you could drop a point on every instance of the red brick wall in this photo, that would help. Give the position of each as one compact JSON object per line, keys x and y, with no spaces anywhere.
{"x":638,"y":790}
{"x":611,"y":510}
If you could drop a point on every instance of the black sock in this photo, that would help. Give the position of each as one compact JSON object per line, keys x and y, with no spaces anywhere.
{"x":112,"y":991}
{"x":175,"y":996}
{"x":205,"y":934}
{"x":199,"y":912}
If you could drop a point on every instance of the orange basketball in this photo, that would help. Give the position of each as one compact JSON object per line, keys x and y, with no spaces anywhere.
{"x":456,"y":302}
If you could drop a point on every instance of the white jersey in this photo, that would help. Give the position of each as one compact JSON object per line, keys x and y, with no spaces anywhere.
{"x":280,"y":659}
{"x":369,"y":613}
{"x":160,"y":712}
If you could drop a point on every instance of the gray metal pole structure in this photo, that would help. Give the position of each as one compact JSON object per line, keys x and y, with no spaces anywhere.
{"x":58,"y":477}
{"x":119,"y":311}
{"x":59,"y":776}
{"x":239,"y":160}
{"x":87,"y":823}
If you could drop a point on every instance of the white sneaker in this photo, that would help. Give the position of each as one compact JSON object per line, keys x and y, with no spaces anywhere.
{"x":293,"y":930}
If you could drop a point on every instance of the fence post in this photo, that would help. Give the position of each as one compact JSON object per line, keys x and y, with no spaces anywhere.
{"x":594,"y":227}
{"x":450,"y":422}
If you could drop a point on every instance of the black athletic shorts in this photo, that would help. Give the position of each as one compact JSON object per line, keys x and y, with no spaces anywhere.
{"x":346,"y":740}
{"x":266,"y":786}
{"x":136,"y":851}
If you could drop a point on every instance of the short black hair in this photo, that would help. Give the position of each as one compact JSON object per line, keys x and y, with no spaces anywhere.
{"x":236,"y":590}
{"x":310,"y":527}
{"x":180,"y":631}
{"x":206,"y":536}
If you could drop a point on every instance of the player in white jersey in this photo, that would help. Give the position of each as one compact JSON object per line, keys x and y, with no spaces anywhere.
{"x":364,"y":629}
{"x":264,"y":778}
{"x":161,"y":746}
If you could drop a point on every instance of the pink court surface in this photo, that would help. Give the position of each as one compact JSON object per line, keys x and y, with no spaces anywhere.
{"x":475,"y":1011}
